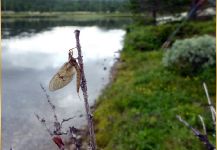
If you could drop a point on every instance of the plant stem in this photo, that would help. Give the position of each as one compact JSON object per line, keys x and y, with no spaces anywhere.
{"x":203,"y":138}
{"x":85,"y":95}
{"x":212,"y":109}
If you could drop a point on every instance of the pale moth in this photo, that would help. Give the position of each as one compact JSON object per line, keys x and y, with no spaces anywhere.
{"x":65,"y":74}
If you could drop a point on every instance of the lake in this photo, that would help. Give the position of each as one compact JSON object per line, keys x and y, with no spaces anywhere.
{"x":32,"y":52}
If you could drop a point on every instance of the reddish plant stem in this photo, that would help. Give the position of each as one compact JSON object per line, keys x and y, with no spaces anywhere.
{"x":85,"y":95}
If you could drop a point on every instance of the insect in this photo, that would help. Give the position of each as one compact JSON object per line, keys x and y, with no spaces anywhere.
{"x":65,"y":74}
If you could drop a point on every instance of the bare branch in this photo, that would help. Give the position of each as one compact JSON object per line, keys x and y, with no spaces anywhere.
{"x":43,"y":122}
{"x":83,"y":85}
{"x":50,"y":103}
{"x":73,"y":133}
{"x":65,"y":120}
{"x":203,"y":124}
{"x":57,"y":131}
{"x":194,"y":9}
{"x":196,"y":132}
{"x":203,"y":138}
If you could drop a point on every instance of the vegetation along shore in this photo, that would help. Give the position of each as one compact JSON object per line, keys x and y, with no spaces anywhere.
{"x":138,"y":109}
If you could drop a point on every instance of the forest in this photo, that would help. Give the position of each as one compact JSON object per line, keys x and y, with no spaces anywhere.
{"x":65,"y":5}
{"x":95,"y":5}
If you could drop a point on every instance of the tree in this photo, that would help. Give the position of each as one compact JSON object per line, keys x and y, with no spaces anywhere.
{"x":153,"y":7}
{"x":64,"y":5}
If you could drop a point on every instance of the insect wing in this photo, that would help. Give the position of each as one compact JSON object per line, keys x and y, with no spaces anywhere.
{"x":63,"y":77}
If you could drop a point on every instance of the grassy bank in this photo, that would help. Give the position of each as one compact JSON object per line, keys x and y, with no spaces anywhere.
{"x":137,"y":110}
{"x":62,"y":15}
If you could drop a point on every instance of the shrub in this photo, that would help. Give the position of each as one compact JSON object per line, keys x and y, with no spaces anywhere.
{"x":147,"y":38}
{"x":140,"y":38}
{"x":189,"y":56}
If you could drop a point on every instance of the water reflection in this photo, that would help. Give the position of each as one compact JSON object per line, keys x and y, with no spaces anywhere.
{"x":31,"y":60}
{"x":13,"y":27}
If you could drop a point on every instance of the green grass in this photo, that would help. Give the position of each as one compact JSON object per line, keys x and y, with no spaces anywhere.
{"x":137,"y":111}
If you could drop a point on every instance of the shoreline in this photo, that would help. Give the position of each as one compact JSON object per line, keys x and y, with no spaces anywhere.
{"x":140,"y":101}
{"x":69,"y":15}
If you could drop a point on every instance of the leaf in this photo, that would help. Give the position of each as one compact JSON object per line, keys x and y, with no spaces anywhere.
{"x":58,"y":141}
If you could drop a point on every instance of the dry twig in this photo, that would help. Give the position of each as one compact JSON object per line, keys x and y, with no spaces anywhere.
{"x":212,"y":109}
{"x":202,"y":137}
{"x":83,"y":85}
{"x":57,"y":131}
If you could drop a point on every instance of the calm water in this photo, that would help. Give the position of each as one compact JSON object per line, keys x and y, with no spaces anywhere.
{"x":33,"y":51}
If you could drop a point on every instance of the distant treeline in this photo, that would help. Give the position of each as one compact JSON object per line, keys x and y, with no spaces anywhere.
{"x":65,"y":5}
